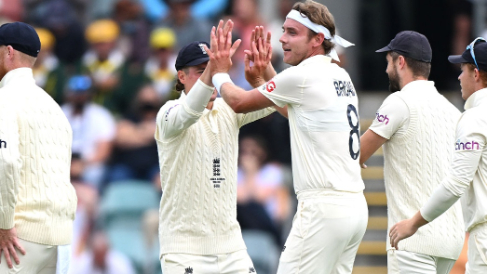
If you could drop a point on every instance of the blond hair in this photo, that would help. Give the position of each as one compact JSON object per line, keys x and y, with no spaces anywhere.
{"x":318,"y":14}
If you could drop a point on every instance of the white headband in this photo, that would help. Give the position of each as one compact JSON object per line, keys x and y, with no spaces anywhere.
{"x":301,"y":18}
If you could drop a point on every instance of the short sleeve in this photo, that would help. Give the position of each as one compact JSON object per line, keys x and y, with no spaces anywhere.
{"x":391,"y":118}
{"x":469,"y":145}
{"x":286,"y":88}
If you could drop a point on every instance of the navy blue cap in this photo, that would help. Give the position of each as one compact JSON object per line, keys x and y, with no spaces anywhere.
{"x":192,"y":54}
{"x":411,"y":44}
{"x":21,"y":37}
{"x":79,"y":83}
{"x":480,"y":50}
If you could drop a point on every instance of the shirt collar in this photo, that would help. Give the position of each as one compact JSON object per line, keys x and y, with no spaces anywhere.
{"x":15,"y":74}
{"x":315,"y":59}
{"x":419,"y":85}
{"x":476,"y":98}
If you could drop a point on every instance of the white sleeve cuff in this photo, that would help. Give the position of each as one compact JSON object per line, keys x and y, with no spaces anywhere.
{"x":441,"y":200}
{"x":199,"y":96}
{"x":219,"y":79}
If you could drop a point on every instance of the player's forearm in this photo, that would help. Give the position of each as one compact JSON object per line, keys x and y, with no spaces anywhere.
{"x":206,"y":76}
{"x":176,"y":118}
{"x":418,"y":220}
{"x":269,"y":73}
{"x":370,"y":142}
{"x":199,"y":96}
{"x":232,"y":95}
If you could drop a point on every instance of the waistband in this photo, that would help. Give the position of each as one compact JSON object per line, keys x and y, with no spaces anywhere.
{"x":327,"y":192}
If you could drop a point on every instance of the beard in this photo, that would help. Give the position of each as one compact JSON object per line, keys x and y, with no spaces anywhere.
{"x":394,"y":81}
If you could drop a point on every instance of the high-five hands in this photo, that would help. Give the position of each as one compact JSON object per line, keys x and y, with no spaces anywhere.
{"x":221,"y":48}
{"x":260,"y":55}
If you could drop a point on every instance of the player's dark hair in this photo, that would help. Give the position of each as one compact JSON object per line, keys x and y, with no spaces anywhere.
{"x":179,"y":85}
{"x":483,"y":74}
{"x":419,"y":68}
{"x":320,"y":15}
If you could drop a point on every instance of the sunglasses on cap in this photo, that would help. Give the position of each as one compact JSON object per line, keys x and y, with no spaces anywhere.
{"x":471,"y":48}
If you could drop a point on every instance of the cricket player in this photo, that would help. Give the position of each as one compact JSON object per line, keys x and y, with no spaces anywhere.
{"x":467,"y":177}
{"x":416,"y":125}
{"x":197,"y":139}
{"x":37,"y":200}
{"x":322,"y":108}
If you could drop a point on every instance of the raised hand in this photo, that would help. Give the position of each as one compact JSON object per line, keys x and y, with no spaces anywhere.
{"x":221,"y":47}
{"x":258,"y":33}
{"x":260,"y":55}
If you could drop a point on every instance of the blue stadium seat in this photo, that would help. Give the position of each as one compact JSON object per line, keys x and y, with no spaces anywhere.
{"x":262,"y":250}
{"x":121,"y":211}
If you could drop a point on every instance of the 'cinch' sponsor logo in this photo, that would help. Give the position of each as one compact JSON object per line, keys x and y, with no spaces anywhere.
{"x":382,"y":118}
{"x":467,"y":145}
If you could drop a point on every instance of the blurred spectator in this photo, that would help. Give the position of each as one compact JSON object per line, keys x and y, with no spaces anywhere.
{"x":79,"y":7}
{"x":261,"y":181}
{"x":101,"y":9}
{"x":135,"y":150}
{"x":275,"y":130}
{"x":104,"y":60}
{"x":93,"y":128}
{"x":86,"y":208}
{"x":186,"y":27}
{"x":59,"y":17}
{"x":134,"y":29}
{"x":245,"y":14}
{"x":462,"y":26}
{"x":47,"y":70}
{"x":115,"y":80}
{"x":101,"y":259}
{"x":263,"y":200}
{"x":202,"y":9}
{"x":159,"y":68}
{"x":11,"y":10}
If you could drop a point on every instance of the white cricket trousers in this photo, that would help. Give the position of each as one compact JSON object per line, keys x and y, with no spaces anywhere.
{"x":477,"y":250}
{"x":238,"y":262}
{"x":326,"y":232}
{"x":405,"y":262}
{"x":39,"y":259}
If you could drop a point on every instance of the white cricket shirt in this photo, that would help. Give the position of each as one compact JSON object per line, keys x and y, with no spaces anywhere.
{"x":324,"y":124}
{"x":468,"y":174}
{"x":198,"y":152}
{"x":419,"y":124}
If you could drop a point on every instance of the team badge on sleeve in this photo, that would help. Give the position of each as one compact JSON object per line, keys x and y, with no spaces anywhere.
{"x":270,"y":86}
